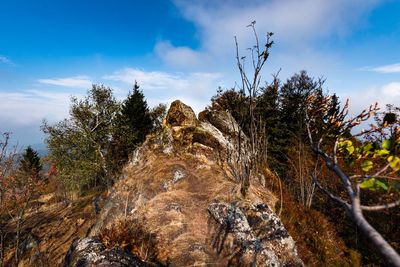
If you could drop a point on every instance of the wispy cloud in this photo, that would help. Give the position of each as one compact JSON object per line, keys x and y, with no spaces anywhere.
{"x":158,"y":80}
{"x":29,"y":106}
{"x":22,"y":112}
{"x":294,"y":22}
{"x":393,"y":68}
{"x":76,"y":81}
{"x":388,"y":93}
{"x":6,"y":60}
{"x":299,"y":26}
{"x":180,"y":56}
{"x":161,"y":86}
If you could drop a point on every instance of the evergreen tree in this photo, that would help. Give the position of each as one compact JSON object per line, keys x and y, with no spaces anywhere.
{"x":136,"y":113}
{"x":30,"y":163}
{"x":133,"y":123}
{"x":268,"y":112}
{"x":293,"y":97}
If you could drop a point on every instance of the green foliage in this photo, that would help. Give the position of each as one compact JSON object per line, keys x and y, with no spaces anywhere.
{"x":367,"y":165}
{"x":79,"y":146}
{"x":374,"y":184}
{"x":370,"y":158}
{"x":235,"y":102}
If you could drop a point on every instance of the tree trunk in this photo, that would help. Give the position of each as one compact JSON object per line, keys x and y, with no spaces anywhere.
{"x":380,"y":243}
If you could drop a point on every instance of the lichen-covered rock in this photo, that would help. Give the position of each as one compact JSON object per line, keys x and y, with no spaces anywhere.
{"x":222,"y":120}
{"x":260,"y":238}
{"x":180,"y":114}
{"x":88,"y":252}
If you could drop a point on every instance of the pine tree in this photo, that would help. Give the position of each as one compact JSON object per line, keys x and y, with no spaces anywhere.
{"x":136,"y":112}
{"x":132,"y":125}
{"x":30,"y":163}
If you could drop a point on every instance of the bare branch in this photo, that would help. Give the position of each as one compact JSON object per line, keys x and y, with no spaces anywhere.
{"x":381,"y":207}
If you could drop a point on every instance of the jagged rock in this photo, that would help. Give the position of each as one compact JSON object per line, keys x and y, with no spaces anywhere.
{"x":258,"y":233}
{"x":91,"y":252}
{"x":222,"y":120}
{"x":180,"y":114}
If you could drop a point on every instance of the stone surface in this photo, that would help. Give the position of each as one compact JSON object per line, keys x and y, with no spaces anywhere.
{"x":221,"y":120}
{"x":258,"y":234}
{"x":180,"y":114}
{"x":88,"y":252}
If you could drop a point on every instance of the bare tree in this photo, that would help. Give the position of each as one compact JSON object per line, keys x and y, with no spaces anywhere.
{"x":250,"y":151}
{"x":373,"y":175}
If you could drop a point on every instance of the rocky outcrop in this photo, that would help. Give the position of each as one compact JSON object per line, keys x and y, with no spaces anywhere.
{"x":179,"y":186}
{"x":180,"y":114}
{"x":222,"y":120}
{"x":258,"y":234}
{"x":88,"y":252}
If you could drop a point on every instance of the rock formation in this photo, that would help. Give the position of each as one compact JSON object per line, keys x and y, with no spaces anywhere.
{"x":91,"y":252}
{"x":178,"y":188}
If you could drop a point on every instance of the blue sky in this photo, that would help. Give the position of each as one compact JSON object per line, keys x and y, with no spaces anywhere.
{"x":50,"y":50}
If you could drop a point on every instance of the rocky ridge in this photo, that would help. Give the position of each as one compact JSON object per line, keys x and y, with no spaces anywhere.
{"x":179,"y":188}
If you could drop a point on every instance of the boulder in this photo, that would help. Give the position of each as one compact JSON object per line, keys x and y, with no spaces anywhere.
{"x":259,"y":235}
{"x":180,"y":114}
{"x":222,"y":120}
{"x":90,"y":251}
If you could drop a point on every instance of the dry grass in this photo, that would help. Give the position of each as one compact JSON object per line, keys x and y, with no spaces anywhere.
{"x":54,"y":225}
{"x":131,"y":236}
{"x":317,"y":241}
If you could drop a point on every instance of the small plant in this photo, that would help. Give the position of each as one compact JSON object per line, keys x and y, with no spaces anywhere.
{"x":132,"y":237}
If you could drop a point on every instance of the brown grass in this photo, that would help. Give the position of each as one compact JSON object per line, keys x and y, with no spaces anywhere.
{"x":131,"y":236}
{"x":317,"y":241}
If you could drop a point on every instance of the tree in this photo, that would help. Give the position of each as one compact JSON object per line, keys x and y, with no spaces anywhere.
{"x":374,"y":166}
{"x":30,"y":164}
{"x":79,"y":146}
{"x":133,"y":123}
{"x":293,"y":96}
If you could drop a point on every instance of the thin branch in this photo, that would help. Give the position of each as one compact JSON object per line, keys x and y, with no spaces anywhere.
{"x":381,"y":207}
{"x":332,"y":196}
{"x":366,"y":177}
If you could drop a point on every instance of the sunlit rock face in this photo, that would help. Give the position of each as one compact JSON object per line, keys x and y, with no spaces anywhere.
{"x":180,"y":189}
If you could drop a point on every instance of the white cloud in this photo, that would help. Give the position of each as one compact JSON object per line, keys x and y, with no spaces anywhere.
{"x":180,"y":56}
{"x":26,"y":107}
{"x":22,"y":113}
{"x":299,"y":27}
{"x":393,"y":68}
{"x":6,"y":60}
{"x":76,"y":81}
{"x":158,"y":80}
{"x":384,"y":94}
{"x":392,"y":92}
{"x":194,"y":87}
{"x":295,"y":23}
